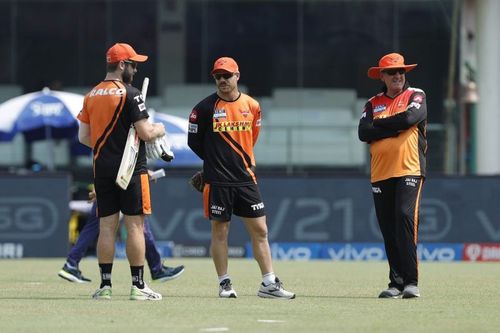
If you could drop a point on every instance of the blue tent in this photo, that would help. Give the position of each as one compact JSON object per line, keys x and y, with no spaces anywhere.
{"x":177,"y":131}
{"x":42,"y":115}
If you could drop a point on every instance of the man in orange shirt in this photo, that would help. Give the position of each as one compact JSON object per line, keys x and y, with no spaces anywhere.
{"x":223,"y":129}
{"x":394,"y":124}
{"x":109,"y":110}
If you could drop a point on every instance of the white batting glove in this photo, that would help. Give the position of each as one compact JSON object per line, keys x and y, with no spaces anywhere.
{"x":151,"y":151}
{"x":159,"y":148}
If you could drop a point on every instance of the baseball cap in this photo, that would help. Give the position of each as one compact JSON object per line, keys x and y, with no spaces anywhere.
{"x":225,"y":64}
{"x":123,"y":51}
{"x":391,"y":60}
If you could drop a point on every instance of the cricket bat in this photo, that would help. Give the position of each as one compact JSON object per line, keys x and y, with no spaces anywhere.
{"x":131,"y":151}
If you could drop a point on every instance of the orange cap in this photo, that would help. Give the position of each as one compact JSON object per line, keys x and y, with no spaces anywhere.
{"x":225,"y":64}
{"x":391,"y":60}
{"x":122,"y":51}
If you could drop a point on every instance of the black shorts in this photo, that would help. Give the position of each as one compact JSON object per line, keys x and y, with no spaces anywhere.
{"x":220,"y":202}
{"x":111,"y":199}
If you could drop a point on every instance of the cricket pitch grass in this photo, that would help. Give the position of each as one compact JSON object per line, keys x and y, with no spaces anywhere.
{"x":331,"y":297}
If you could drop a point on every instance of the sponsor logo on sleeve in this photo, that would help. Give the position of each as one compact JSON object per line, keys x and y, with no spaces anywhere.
{"x":193,"y":116}
{"x":416,"y":102}
{"x":258,"y":206}
{"x":414,"y":105}
{"x":418,"y":98}
{"x":193,"y":128}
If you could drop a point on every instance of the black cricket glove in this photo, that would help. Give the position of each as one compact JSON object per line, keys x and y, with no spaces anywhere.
{"x":197,"y":181}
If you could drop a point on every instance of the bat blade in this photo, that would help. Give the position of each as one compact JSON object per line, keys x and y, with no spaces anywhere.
{"x":129,"y":159}
{"x":131,"y":151}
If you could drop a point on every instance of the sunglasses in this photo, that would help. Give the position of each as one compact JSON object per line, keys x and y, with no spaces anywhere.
{"x":393,"y":71}
{"x":226,"y":76}
{"x":133,"y":64}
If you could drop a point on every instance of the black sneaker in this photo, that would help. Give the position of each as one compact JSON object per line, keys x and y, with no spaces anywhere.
{"x":167,"y":273}
{"x":72,"y":274}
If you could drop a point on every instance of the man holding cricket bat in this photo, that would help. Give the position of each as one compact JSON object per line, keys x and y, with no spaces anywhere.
{"x":109,"y":110}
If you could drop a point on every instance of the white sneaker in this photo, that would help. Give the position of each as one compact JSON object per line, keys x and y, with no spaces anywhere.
{"x":145,"y":294}
{"x":411,"y":291}
{"x":391,"y":292}
{"x":103,"y":293}
{"x":274,"y":290}
{"x":226,"y":289}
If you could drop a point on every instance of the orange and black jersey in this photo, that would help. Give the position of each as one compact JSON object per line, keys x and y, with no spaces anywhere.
{"x":223,"y":133}
{"x":109,"y":109}
{"x":395,"y":128}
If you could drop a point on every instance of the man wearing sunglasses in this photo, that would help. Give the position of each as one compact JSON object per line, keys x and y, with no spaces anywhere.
{"x":223,"y":128}
{"x":394,"y":123}
{"x":109,"y":110}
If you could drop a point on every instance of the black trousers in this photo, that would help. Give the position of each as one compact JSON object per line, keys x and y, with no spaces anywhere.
{"x":397,"y":205}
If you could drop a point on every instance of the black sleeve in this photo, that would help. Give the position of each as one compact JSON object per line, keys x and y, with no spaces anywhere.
{"x":138,"y":110}
{"x":415,"y":113}
{"x":197,"y":130}
{"x":367,"y":131}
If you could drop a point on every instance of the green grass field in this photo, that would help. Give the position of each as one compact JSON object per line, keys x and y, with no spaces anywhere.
{"x":331,"y":297}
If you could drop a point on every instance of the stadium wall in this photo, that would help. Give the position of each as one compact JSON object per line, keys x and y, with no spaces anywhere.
{"x":333,"y":218}
{"x":335,"y":209}
{"x":34,"y":215}
{"x":309,"y":218}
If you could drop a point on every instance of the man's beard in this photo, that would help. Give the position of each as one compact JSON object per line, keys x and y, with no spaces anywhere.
{"x":127,"y":77}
